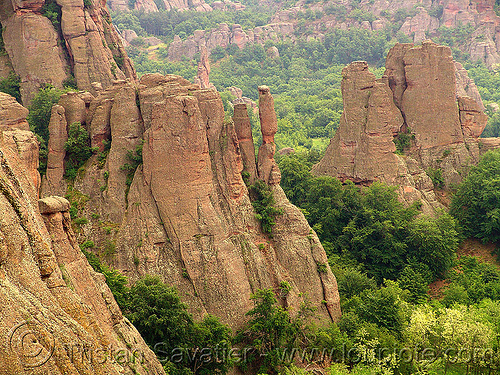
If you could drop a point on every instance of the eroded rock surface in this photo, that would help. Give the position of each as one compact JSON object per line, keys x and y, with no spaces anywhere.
{"x":50,"y":294}
{"x":187,"y":215}
{"x":418,"y":99}
{"x":94,"y":49}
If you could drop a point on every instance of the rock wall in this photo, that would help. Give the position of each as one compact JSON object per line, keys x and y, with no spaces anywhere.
{"x":424,"y":18}
{"x":152,"y":6}
{"x":417,"y":98}
{"x":58,"y":315}
{"x":86,"y":46}
{"x":223,"y":36}
{"x":187,"y":215}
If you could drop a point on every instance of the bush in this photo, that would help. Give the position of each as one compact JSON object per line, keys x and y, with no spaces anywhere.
{"x":117,"y":283}
{"x":163,"y":321}
{"x":78,"y":149}
{"x":263,"y":202}
{"x":135,"y":159}
{"x":11,"y":85}
{"x":436,"y":175}
{"x":40,"y":109}
{"x":270,"y":333}
{"x":476,"y":204}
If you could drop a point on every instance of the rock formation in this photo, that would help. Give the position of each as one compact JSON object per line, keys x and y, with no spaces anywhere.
{"x":224,"y":36}
{"x":203,"y":76}
{"x":153,"y":6}
{"x":187,"y":215}
{"x":417,"y":99}
{"x":267,"y":167}
{"x":50,"y":295}
{"x":90,"y":50}
{"x":243,"y":130}
{"x":424,"y":19}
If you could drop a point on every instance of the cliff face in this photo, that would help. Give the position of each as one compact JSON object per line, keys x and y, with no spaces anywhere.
{"x":58,"y":315}
{"x":86,"y":45}
{"x":154,"y":6}
{"x":424,"y":18}
{"x":186,"y":214}
{"x":417,"y":99}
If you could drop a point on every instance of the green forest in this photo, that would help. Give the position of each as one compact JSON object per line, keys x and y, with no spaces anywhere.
{"x":413,"y":301}
{"x":388,"y":259}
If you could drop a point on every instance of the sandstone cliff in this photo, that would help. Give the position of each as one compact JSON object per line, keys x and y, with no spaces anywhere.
{"x":417,"y":100}
{"x":85,"y":45}
{"x":58,"y":315}
{"x":186,"y":214}
{"x":423,"y":20}
{"x":155,"y":6}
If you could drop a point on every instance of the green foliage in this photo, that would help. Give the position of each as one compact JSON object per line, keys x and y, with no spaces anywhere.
{"x":403,"y":141}
{"x":473,"y":281}
{"x":352,"y":282}
{"x":11,"y":85}
{"x":436,"y":175}
{"x":135,"y":159}
{"x":52,"y":11}
{"x":264,"y":204}
{"x":116,"y":281}
{"x":78,"y":149}
{"x":70,"y":83}
{"x":163,"y":321}
{"x":369,"y":225}
{"x":384,"y":307}
{"x":476,"y":204}
{"x":269,"y":333}
{"x":40,"y":108}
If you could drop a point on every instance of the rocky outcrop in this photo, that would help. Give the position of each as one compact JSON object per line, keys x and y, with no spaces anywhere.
{"x":466,"y":86}
{"x":416,"y":100}
{"x":93,"y":50}
{"x":267,"y":167}
{"x":420,"y":25}
{"x":224,"y":36}
{"x":32,"y":45}
{"x":243,"y":130}
{"x":152,"y":6}
{"x":203,"y":76}
{"x":187,"y":215}
{"x":58,"y":315}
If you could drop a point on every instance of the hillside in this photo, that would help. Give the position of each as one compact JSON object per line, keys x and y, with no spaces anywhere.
{"x":296,"y":221}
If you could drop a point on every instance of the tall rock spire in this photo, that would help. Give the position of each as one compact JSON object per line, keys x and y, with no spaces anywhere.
{"x":266,"y":165}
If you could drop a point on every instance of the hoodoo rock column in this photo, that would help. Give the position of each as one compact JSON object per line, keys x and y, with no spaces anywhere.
{"x":266,"y":165}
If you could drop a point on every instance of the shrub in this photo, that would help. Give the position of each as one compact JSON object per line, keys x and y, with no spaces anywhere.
{"x":40,"y":109}
{"x":11,"y":85}
{"x":135,"y":159}
{"x":436,"y":175}
{"x":476,"y":204}
{"x":264,"y":204}
{"x":78,"y":149}
{"x":162,"y":319}
{"x":403,"y":141}
{"x":270,"y":332}
{"x":116,"y":281}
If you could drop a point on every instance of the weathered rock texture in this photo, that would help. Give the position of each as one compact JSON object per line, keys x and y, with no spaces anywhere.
{"x":187,"y":215}
{"x":418,"y":98}
{"x":53,"y":305}
{"x":152,"y":6}
{"x":225,"y":35}
{"x":267,"y":167}
{"x":425,"y":17}
{"x":203,"y":75}
{"x":243,"y":130}
{"x":93,"y":50}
